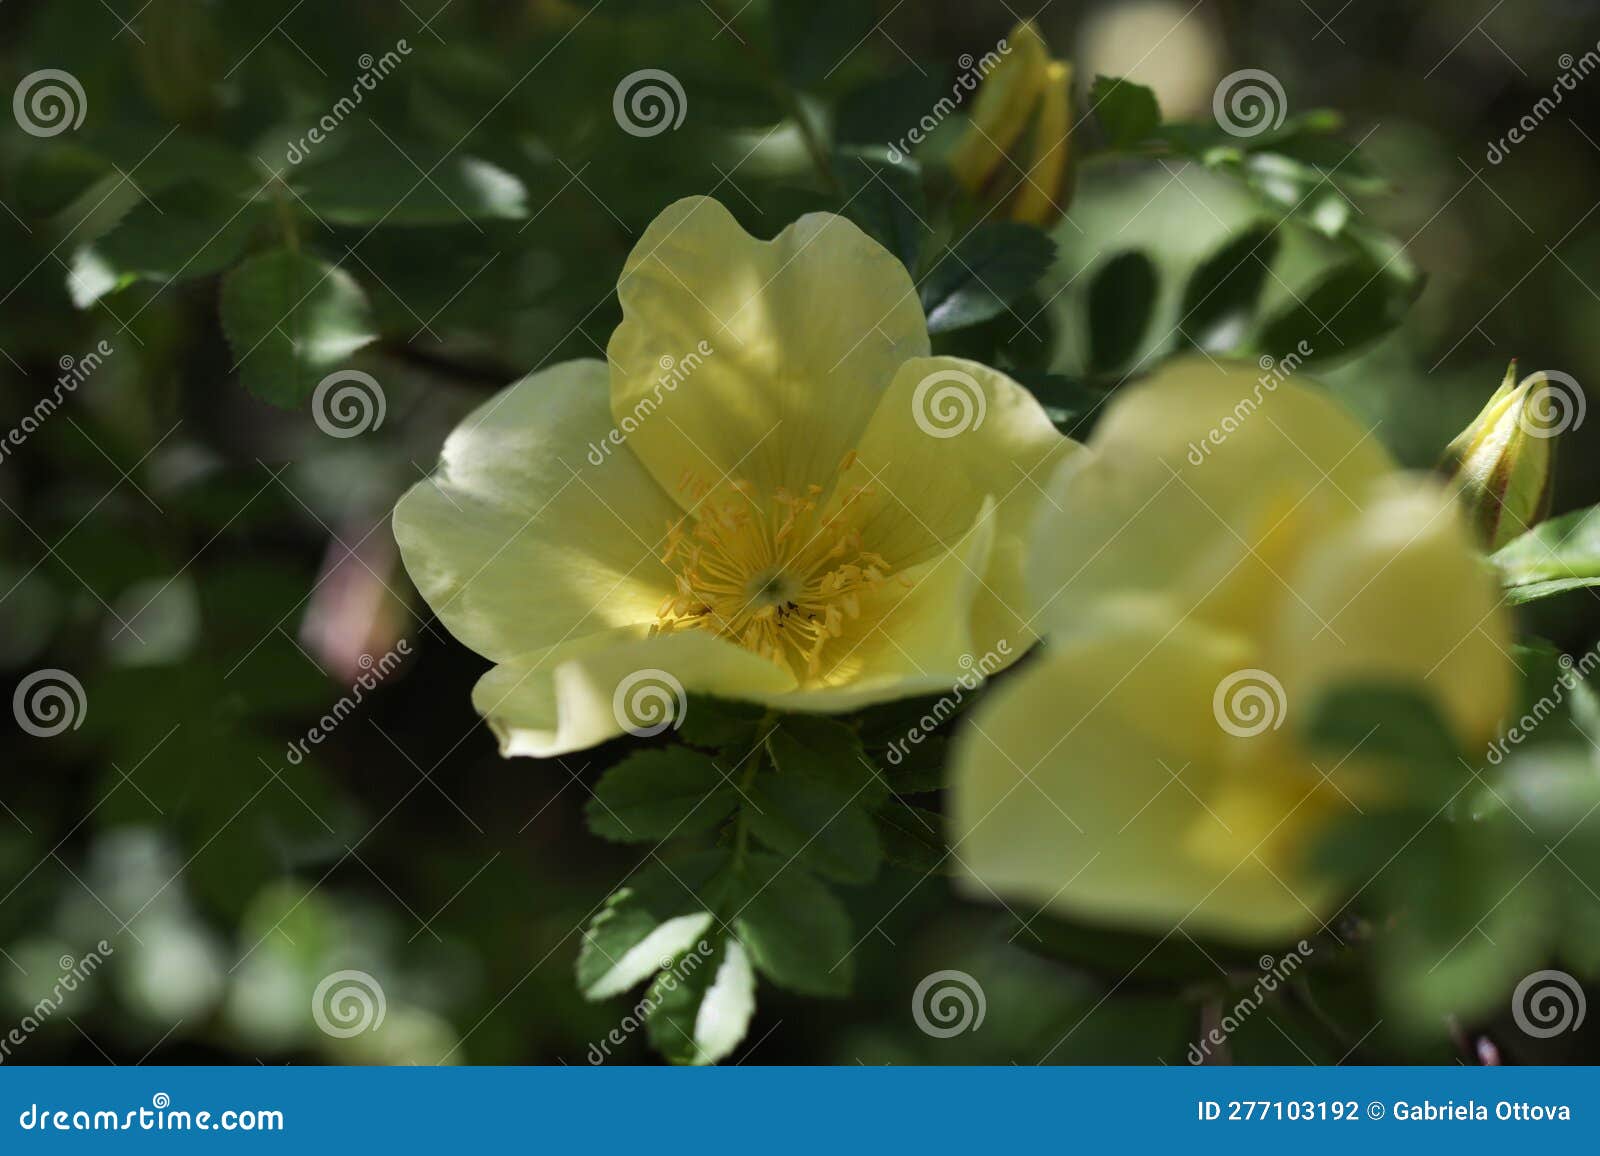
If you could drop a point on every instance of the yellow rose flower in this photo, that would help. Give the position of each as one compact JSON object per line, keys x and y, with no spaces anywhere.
{"x":1231,"y":548}
{"x":772,"y":493}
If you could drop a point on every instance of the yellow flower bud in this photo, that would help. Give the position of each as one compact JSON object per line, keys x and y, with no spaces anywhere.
{"x":1501,"y":463}
{"x":1040,"y":199}
{"x":1004,"y":105}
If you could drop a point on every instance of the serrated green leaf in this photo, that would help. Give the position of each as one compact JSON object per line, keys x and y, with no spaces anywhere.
{"x":796,"y":931}
{"x":886,"y":200}
{"x":403,"y":181}
{"x":290,"y":320}
{"x":190,"y":230}
{"x":656,"y":794}
{"x":1128,"y":111}
{"x":702,"y":1004}
{"x":985,"y":274}
{"x":817,"y":825}
{"x":662,"y":912}
{"x":829,"y":752}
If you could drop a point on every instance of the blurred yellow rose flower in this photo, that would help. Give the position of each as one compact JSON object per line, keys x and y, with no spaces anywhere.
{"x":1230,"y":548}
{"x":772,"y":493}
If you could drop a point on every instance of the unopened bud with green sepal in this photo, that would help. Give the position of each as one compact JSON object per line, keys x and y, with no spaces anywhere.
{"x":1502,"y":462}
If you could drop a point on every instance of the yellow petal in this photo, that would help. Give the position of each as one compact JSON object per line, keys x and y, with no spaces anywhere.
{"x":1097,"y":783}
{"x":1399,"y":594}
{"x":948,"y":435}
{"x":1189,"y":476}
{"x":583,"y":692}
{"x":802,"y":336}
{"x":519,"y":540}
{"x":915,"y":635}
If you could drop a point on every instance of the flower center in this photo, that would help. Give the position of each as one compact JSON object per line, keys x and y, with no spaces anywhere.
{"x":775,"y":577}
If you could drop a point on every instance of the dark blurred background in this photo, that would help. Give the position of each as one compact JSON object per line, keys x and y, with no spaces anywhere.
{"x":217,"y":573}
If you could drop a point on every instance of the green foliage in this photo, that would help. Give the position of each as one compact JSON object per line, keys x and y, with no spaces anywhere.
{"x":722,"y":724}
{"x":658,"y":794}
{"x":1127,"y":111}
{"x":290,"y":320}
{"x":376,"y":179}
{"x":818,"y":826}
{"x":886,"y":200}
{"x":1554,"y":557}
{"x":701,"y":1014}
{"x":1244,"y":247}
{"x":1222,"y":295}
{"x":828,"y":752}
{"x":1121,"y":302}
{"x":1483,"y":862}
{"x":985,"y":274}
{"x":189,"y":230}
{"x":1398,"y":725}
{"x":795,"y":929}
{"x":659,"y":914}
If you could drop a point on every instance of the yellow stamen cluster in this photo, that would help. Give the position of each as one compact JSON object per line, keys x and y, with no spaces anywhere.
{"x":775,"y":577}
